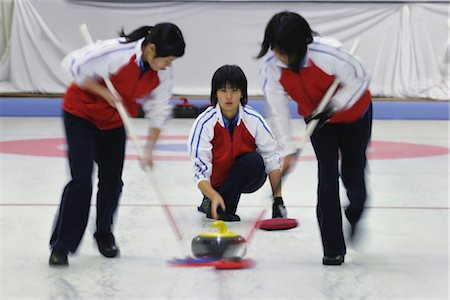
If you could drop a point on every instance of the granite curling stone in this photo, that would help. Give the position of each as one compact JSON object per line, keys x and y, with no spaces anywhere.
{"x":220,"y":244}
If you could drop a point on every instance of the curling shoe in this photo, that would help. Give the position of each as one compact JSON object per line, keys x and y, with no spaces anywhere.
{"x":58,"y":258}
{"x":107,"y":245}
{"x":205,"y":206}
{"x":333,"y":260}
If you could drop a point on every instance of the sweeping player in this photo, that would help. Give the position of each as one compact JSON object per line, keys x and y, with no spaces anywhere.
{"x":232,"y":149}
{"x":300,"y":65}
{"x":138,"y":64}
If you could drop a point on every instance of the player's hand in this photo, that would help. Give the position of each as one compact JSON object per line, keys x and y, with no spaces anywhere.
{"x":112,"y":99}
{"x":215,"y":203}
{"x":323,"y":117}
{"x":278,"y":208}
{"x":93,"y":86}
{"x":147,"y":160}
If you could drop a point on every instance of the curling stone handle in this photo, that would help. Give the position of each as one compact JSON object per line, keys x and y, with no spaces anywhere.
{"x":222,"y":227}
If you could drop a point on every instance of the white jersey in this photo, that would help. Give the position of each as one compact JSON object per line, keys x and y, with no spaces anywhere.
{"x":209,"y":138}
{"x":329,"y":57}
{"x":104,"y":58}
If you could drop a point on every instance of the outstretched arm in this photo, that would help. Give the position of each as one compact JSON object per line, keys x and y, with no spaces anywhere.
{"x":275,"y":182}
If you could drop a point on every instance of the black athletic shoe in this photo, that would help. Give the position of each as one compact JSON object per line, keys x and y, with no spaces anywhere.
{"x":107,"y":245}
{"x":225,"y":217}
{"x":333,"y":260}
{"x":205,"y":206}
{"x":58,"y":258}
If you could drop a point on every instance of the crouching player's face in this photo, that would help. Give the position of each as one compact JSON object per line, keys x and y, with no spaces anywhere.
{"x":228,"y":99}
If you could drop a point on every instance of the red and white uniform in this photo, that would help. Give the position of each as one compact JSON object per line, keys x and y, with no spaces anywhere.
{"x":325,"y":61}
{"x":213,"y":151}
{"x":121,"y":63}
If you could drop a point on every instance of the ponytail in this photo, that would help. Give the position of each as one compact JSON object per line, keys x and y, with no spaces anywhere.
{"x":136,"y":34}
{"x":167,"y":38}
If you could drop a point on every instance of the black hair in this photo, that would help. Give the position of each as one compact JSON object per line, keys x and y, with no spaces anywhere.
{"x":289,"y":33}
{"x":167,"y":38}
{"x":229,"y":75}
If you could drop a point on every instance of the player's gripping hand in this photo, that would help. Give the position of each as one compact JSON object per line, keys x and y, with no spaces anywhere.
{"x":323,"y":117}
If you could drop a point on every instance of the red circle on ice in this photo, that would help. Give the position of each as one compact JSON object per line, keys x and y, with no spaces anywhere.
{"x":173,"y":148}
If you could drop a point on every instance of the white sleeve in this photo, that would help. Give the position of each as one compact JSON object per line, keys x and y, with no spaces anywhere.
{"x":200,"y":146}
{"x":354,"y":82}
{"x":156,"y":104}
{"x":353,"y":79}
{"x":97,"y":60}
{"x":277,"y":109}
{"x":266,"y":144}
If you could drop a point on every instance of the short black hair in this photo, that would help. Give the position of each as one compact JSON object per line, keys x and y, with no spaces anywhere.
{"x":289,"y":33}
{"x":229,"y":75}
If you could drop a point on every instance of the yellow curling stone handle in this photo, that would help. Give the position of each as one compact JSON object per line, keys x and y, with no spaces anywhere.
{"x":222,"y":231}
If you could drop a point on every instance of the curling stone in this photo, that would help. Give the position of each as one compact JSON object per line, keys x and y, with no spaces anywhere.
{"x":185,"y":109}
{"x":220,"y":244}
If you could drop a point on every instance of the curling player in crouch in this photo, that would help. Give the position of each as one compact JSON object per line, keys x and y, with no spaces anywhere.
{"x":233,"y":149}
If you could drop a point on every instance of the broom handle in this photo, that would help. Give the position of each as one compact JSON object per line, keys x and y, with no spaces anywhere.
{"x":255,"y":225}
{"x":128,"y":126}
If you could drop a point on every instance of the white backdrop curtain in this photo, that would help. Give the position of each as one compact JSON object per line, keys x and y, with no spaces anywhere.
{"x":403,"y":45}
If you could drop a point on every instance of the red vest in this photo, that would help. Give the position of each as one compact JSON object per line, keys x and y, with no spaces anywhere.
{"x":309,"y":85}
{"x":225,"y":150}
{"x":128,"y":84}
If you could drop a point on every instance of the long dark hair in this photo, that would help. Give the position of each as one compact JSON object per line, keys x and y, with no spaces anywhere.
{"x":232,"y":76}
{"x":167,"y":38}
{"x":289,"y":33}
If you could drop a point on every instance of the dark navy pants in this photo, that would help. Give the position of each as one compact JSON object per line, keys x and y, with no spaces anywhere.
{"x":350,"y":142}
{"x":86,"y":145}
{"x":247,"y":176}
